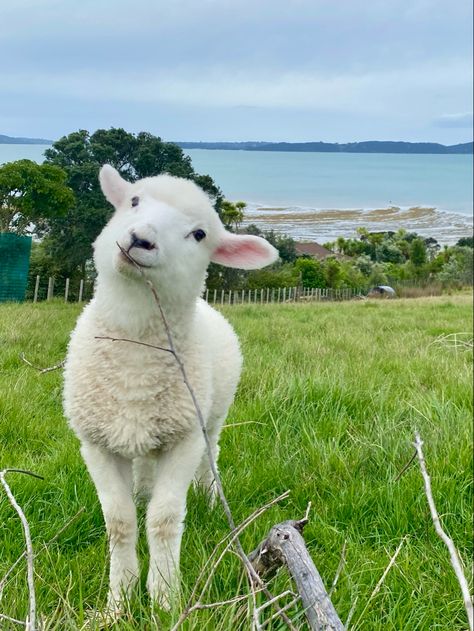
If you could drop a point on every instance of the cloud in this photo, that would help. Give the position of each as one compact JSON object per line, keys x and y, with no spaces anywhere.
{"x":464,"y":120}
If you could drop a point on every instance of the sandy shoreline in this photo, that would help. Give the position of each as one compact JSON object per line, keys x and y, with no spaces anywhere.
{"x":327,"y":224}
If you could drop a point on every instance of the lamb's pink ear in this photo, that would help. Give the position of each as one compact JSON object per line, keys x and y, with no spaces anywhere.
{"x":244,"y":251}
{"x":113,"y":185}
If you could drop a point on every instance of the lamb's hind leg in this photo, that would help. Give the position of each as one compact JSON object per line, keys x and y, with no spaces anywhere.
{"x":112,"y":476}
{"x":166,"y":510}
{"x":204,"y":478}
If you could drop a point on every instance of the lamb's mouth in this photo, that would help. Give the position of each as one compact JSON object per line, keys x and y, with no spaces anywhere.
{"x":127,"y":258}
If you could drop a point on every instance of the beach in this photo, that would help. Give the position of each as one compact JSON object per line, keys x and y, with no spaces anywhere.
{"x":319,"y":196}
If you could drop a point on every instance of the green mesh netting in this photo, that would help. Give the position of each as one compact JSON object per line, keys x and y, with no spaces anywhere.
{"x":14,"y":266}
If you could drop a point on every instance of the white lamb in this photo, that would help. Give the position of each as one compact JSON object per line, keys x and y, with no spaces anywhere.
{"x":127,"y":403}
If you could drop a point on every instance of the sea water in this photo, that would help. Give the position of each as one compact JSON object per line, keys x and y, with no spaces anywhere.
{"x":319,"y":196}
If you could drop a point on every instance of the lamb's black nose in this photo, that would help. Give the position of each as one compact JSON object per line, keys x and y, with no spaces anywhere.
{"x":140,"y":243}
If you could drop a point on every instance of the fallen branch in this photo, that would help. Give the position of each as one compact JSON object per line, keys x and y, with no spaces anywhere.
{"x":31,"y":618}
{"x":252,"y":574}
{"x":38,"y":368}
{"x":285,"y":545}
{"x":449,"y":543}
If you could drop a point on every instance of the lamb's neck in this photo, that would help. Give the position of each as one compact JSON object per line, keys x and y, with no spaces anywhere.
{"x":131,"y":310}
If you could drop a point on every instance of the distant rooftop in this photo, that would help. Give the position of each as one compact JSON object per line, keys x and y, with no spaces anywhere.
{"x":315,"y":250}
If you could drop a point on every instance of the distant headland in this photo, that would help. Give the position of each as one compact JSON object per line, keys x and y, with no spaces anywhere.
{"x":10,"y":140}
{"x":371,"y":146}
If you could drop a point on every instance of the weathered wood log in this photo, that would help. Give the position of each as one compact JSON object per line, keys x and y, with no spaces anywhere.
{"x":285,"y":545}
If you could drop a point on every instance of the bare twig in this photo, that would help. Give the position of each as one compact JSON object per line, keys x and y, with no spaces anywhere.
{"x":10,"y":619}
{"x":31,"y":619}
{"x":457,"y":341}
{"x":38,"y":368}
{"x":289,"y":605}
{"x":405,"y":467}
{"x":340,"y":567}
{"x":230,"y":537}
{"x":44,"y":546}
{"x":449,"y":543}
{"x":123,"y":339}
{"x":376,"y":590}
{"x":252,"y":574}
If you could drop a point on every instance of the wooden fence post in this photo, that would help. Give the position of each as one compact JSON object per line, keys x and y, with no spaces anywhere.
{"x":49,"y":295}
{"x":222,"y":297}
{"x":81,"y":290}
{"x":35,"y":295}
{"x":230,"y":296}
{"x":207,"y":295}
{"x":215,"y":297}
{"x":66,"y":290}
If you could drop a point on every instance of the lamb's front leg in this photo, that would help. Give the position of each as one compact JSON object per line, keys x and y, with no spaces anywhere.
{"x":112,"y":476}
{"x":166,"y":512}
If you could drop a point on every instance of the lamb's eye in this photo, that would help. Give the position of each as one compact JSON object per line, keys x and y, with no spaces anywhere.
{"x":135,"y":201}
{"x":199,"y":234}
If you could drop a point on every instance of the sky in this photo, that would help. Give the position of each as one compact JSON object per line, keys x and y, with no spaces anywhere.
{"x":230,"y":70}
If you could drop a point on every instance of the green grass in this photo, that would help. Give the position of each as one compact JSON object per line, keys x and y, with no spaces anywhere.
{"x":334,"y":393}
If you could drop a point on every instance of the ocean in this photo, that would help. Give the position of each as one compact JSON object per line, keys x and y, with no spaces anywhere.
{"x":320,"y":196}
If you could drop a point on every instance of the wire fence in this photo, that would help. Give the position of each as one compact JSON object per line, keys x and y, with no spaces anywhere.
{"x":44,"y":289}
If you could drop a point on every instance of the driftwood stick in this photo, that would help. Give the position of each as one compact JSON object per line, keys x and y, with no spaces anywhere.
{"x":285,"y":545}
{"x":31,"y":619}
{"x":449,"y":543}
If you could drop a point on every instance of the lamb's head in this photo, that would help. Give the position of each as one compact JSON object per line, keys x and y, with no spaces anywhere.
{"x":168,"y":226}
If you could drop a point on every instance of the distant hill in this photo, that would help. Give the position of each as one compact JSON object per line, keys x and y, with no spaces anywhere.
{"x":10,"y":140}
{"x":372,"y":146}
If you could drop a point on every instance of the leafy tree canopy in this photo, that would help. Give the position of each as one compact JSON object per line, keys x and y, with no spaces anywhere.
{"x":31,"y":196}
{"x":81,"y":155}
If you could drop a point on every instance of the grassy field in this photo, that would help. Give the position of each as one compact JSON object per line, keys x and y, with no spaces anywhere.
{"x":330,"y":397}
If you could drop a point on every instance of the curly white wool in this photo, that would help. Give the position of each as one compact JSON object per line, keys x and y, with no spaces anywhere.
{"x":126,"y":402}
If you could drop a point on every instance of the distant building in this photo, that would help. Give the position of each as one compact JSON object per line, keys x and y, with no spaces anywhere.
{"x":317,"y":251}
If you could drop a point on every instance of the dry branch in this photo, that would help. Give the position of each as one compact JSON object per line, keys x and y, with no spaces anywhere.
{"x":453,"y":553}
{"x":31,"y":618}
{"x":230,"y":537}
{"x":38,"y":368}
{"x":285,"y":545}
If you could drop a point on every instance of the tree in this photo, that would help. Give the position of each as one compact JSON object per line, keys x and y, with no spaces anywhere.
{"x":232,"y":214}
{"x":466,"y":242}
{"x":332,"y":270}
{"x":311,"y":272}
{"x":81,"y":155}
{"x":31,"y":195}
{"x":418,"y":252}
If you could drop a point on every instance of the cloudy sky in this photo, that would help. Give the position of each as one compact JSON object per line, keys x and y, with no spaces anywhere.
{"x":293,"y":70}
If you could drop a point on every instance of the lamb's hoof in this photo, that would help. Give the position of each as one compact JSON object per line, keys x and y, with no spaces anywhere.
{"x":161,"y":595}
